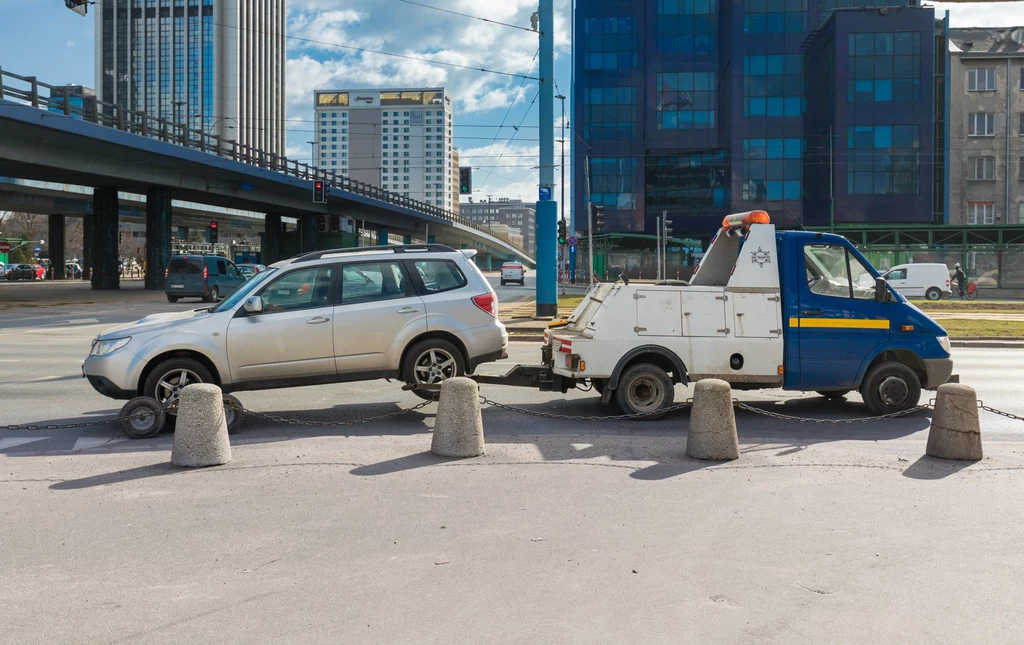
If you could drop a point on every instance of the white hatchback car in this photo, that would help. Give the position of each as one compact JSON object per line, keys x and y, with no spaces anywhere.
{"x":420,"y":314}
{"x":513,"y":272}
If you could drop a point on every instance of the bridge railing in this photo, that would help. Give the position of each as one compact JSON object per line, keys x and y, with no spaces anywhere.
{"x":67,"y":101}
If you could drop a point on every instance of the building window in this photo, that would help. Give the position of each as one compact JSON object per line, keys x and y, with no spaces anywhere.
{"x":774,"y":16}
{"x":981,"y":79}
{"x":772,"y":169}
{"x":686,"y":101}
{"x":691,"y":184}
{"x":609,"y":113}
{"x":981,"y":213}
{"x":981,"y":124}
{"x":773,"y":85}
{"x":610,"y":43}
{"x":1020,"y":127}
{"x":884,"y":67}
{"x":613,"y":182}
{"x":980,"y":168}
{"x":687,"y":26}
{"x":884,"y":160}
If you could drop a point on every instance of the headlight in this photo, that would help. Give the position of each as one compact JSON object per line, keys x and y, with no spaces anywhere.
{"x":944,"y":344}
{"x":104,"y":347}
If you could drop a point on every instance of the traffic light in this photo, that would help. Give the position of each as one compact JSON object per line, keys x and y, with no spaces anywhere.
{"x":562,"y":235}
{"x":667,"y":230}
{"x":598,"y":211}
{"x":213,"y":232}
{"x":321,"y":224}
{"x":319,"y":192}
{"x":465,"y":180}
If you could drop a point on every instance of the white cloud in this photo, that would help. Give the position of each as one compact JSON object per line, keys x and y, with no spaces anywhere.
{"x":71,"y":44}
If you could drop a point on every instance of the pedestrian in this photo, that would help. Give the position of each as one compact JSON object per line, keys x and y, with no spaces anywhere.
{"x":961,"y":280}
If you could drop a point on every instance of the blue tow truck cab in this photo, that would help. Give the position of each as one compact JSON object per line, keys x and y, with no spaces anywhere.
{"x":765,"y":309}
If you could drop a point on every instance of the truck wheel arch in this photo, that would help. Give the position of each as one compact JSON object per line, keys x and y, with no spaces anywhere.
{"x":664,"y":358}
{"x":904,"y":356}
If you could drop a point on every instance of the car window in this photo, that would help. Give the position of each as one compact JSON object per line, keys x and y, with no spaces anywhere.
{"x":302,"y":289}
{"x":372,"y":281}
{"x":440,"y":275}
{"x":222,"y":267}
{"x":185,"y":265}
{"x":897,"y":274}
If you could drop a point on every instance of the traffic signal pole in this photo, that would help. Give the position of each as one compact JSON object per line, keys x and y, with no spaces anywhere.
{"x":547,"y":210}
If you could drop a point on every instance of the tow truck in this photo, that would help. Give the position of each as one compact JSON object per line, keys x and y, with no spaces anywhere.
{"x":795,"y":310}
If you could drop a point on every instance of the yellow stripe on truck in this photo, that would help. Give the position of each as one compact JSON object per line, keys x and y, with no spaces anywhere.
{"x":838,"y":323}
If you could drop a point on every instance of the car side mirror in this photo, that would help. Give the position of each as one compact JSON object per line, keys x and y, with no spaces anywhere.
{"x":881,"y":290}
{"x":253,"y":305}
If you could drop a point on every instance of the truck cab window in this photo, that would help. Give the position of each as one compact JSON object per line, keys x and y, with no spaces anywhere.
{"x":832,"y":271}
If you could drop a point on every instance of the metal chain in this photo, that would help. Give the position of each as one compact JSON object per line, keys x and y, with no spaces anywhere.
{"x":336,"y":424}
{"x":566,"y":417}
{"x":1008,"y":415}
{"x":138,"y":414}
{"x":788,"y":417}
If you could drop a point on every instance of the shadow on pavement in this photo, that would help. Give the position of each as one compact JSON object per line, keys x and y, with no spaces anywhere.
{"x":929,"y":468}
{"x":118,"y":477}
{"x":411,"y":462}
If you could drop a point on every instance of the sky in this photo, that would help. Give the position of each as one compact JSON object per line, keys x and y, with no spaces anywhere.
{"x":43,"y":38}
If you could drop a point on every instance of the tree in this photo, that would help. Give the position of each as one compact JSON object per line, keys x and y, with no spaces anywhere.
{"x":5,"y":217}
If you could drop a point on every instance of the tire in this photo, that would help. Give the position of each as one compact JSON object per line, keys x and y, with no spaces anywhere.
{"x":645,"y":388}
{"x":503,"y":283}
{"x":835,"y":395}
{"x":234,"y":413}
{"x":148,"y":418}
{"x":891,"y":387}
{"x":162,"y":383}
{"x":933,"y":294}
{"x":213,"y":296}
{"x":171,"y":298}
{"x":427,"y":363}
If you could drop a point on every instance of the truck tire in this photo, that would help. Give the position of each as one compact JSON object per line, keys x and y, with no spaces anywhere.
{"x":891,"y":387}
{"x":164,"y":383}
{"x":428,"y":363}
{"x":645,"y":388}
{"x":933,"y":294}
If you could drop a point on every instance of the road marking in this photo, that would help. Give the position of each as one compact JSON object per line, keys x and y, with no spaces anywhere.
{"x":13,"y":442}
{"x":88,"y":443}
{"x":10,"y":360}
{"x":44,"y":378}
{"x":83,"y":321}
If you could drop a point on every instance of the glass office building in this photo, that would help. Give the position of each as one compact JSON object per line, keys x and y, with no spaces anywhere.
{"x":699,"y":108}
{"x":216,"y":65}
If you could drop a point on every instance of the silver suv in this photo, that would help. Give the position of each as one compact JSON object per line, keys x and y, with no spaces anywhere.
{"x":416,"y":313}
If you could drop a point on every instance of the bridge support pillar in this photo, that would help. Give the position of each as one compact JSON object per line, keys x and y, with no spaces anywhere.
{"x":431,"y":239}
{"x":183,"y":233}
{"x":307,"y":233}
{"x":382,"y":236}
{"x":489,"y":259}
{"x":105,"y":210}
{"x":270,"y":246}
{"x":56,"y":244}
{"x":158,"y":236}
{"x":87,"y":238}
{"x":407,"y":239}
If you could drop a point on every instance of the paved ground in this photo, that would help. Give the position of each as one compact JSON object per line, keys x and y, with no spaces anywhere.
{"x":566,"y":532}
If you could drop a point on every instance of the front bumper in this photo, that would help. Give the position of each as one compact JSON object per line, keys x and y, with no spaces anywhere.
{"x":114,"y":375}
{"x":938,"y":371}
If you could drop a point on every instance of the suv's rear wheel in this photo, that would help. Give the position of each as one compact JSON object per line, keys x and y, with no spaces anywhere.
{"x":431,"y":362}
{"x":170,"y":377}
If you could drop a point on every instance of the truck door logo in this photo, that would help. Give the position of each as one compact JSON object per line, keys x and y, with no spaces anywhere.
{"x":760,"y":257}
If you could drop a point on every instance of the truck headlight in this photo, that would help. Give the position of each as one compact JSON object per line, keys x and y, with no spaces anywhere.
{"x":944,"y":344}
{"x":104,"y":347}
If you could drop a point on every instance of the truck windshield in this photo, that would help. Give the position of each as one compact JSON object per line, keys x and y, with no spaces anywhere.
{"x":834,"y":271}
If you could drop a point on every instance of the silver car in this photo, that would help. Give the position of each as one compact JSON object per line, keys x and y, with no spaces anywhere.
{"x":420,"y":314}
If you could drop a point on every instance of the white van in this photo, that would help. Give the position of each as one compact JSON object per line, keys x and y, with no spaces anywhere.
{"x":930,"y":281}
{"x":513,"y":272}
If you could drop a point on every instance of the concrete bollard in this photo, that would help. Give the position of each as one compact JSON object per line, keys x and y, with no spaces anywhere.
{"x":955,"y":432}
{"x":458,"y":428}
{"x":712,"y":423}
{"x":201,"y":433}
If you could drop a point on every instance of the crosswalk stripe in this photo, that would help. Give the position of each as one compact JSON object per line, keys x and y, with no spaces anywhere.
{"x":13,"y":442}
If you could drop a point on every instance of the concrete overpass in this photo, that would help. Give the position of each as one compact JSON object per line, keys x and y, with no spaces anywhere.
{"x":143,"y":156}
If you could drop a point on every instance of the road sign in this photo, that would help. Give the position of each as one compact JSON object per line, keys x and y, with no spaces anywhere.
{"x":5,"y":247}
{"x":545,"y":194}
{"x":572,"y":241}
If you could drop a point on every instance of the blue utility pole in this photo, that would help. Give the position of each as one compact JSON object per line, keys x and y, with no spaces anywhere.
{"x":547,"y":209}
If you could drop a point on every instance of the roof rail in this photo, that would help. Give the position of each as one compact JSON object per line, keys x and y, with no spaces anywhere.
{"x":405,"y":248}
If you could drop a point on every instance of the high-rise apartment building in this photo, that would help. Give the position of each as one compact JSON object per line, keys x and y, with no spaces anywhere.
{"x":397,"y":139}
{"x":215,"y":65}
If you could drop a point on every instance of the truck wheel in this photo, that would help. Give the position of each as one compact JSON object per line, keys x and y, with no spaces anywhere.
{"x":891,"y":387}
{"x":431,"y":362}
{"x":645,"y":388}
{"x":142,"y":418}
{"x":933,"y":294}
{"x":835,"y":395}
{"x":168,"y":379}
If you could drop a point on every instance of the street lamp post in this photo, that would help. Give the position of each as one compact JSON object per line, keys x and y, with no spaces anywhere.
{"x":561,"y":248}
{"x":312,"y":153}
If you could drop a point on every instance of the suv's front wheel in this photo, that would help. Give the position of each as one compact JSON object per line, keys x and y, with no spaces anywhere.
{"x":170,"y":377}
{"x":430,"y":362}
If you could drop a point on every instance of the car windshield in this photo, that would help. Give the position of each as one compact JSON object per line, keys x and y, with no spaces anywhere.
{"x":243,"y":291}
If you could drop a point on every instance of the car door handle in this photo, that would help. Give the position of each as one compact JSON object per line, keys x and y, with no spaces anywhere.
{"x":319,"y":320}
{"x":408,"y":310}
{"x":812,"y":312}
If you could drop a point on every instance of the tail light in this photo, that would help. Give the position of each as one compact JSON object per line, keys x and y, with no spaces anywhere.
{"x":206,"y":273}
{"x":167,"y":273}
{"x":488,"y":303}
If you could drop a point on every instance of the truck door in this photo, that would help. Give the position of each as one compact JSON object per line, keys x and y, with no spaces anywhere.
{"x":838,"y":322}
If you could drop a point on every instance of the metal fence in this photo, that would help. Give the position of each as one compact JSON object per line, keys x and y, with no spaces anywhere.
{"x":26,"y":90}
